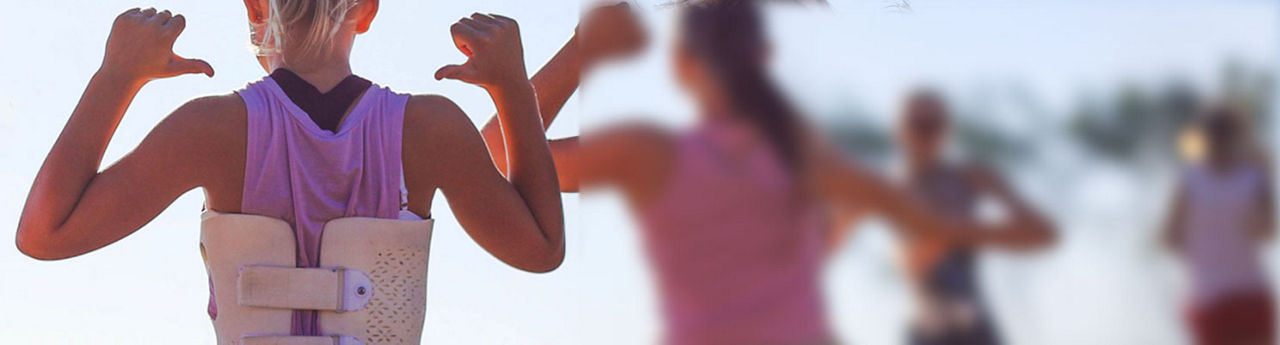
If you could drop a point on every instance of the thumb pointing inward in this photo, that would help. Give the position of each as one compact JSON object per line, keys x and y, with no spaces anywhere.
{"x":456,"y":72}
{"x":181,"y":65}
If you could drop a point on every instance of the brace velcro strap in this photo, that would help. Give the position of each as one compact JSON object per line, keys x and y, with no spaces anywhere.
{"x":335,"y":289}
{"x":300,"y":340}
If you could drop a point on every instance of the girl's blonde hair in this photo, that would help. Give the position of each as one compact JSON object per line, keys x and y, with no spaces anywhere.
{"x":313,"y":23}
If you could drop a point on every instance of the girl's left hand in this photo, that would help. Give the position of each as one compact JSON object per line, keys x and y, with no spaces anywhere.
{"x":495,"y":55}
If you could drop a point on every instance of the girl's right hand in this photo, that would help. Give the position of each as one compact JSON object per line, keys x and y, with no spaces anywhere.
{"x":495,"y":55}
{"x":140,"y":47}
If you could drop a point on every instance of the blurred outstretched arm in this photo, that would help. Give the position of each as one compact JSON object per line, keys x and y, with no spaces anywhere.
{"x":1034,"y":231}
{"x":853,"y":189}
{"x":849,"y":187}
{"x":606,"y":32}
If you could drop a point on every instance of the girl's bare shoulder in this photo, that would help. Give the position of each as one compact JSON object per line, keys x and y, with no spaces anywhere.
{"x":207,"y":133}
{"x":435,"y":121}
{"x":217,"y":119}
{"x":436,"y":130}
{"x":204,"y":138}
{"x":432,"y":111}
{"x":210,"y":113}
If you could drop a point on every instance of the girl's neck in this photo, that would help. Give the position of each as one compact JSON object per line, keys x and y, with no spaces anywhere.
{"x":323,"y":75}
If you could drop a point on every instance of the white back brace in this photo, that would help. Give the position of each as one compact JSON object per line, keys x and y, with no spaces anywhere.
{"x":370,"y":287}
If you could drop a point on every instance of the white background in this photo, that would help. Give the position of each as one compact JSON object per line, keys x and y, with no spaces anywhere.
{"x":1097,"y":287}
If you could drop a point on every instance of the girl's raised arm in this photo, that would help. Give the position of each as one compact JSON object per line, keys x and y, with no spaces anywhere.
{"x":605,"y":32}
{"x":518,"y":219}
{"x":73,"y":208}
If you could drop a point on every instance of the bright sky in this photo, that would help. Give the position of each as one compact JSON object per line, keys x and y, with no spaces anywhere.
{"x":150,"y":288}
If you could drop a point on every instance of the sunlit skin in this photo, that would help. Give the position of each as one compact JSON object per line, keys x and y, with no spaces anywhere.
{"x":75,"y":208}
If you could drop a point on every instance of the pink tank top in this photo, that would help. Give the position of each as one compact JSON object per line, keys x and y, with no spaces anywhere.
{"x":306,"y":176}
{"x":737,"y":258}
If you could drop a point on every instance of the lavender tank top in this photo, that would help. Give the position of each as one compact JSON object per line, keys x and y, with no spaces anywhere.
{"x":1219,"y":243}
{"x":737,"y":258}
{"x":306,"y":176}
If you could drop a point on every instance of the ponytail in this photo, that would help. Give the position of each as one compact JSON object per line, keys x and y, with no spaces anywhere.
{"x":728,"y":36}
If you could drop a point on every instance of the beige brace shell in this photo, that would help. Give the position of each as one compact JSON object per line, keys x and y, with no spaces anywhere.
{"x":370,"y":287}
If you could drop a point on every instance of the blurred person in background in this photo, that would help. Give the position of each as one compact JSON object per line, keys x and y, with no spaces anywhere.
{"x":944,"y":276}
{"x":1222,"y":213}
{"x":732,"y":211}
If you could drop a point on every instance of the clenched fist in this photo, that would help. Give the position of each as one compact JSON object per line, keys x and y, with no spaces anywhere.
{"x":611,"y":31}
{"x":141,"y":46}
{"x":495,"y":56}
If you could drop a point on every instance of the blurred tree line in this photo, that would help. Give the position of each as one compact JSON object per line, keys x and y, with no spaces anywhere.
{"x":1139,"y":124}
{"x":1134,"y":123}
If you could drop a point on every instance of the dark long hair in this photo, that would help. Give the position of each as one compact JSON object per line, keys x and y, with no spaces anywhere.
{"x":728,"y":36}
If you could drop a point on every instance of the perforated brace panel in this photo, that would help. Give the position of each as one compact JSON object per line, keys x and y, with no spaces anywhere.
{"x":398,"y":279}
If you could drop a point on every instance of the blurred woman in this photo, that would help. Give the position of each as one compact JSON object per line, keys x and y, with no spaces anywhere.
{"x":1222,"y":213}
{"x":732,"y":210}
{"x":944,"y":276}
